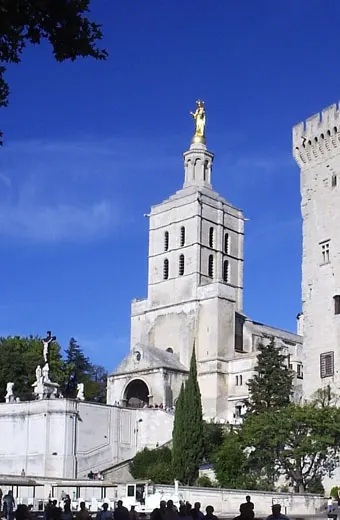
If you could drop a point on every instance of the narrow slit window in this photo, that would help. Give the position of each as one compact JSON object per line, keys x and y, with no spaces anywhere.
{"x":181,"y":265}
{"x":336,"y":304}
{"x":182,"y":241}
{"x":236,"y":380}
{"x":211,"y":266}
{"x":166,"y":269}
{"x":226,"y":243}
{"x":334,"y":181}
{"x":211,"y":237}
{"x":166,"y":240}
{"x":226,"y":271}
{"x":241,"y":380}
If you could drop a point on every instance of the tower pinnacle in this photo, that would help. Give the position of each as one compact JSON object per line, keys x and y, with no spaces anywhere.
{"x":197,"y":160}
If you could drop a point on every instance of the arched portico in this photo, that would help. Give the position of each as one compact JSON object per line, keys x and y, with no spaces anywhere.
{"x":136,"y":394}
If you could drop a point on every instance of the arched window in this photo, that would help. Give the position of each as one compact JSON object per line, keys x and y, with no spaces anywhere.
{"x":166,"y":269}
{"x":211,"y":237}
{"x":182,"y":241}
{"x":169,"y":349}
{"x":166,"y":240}
{"x":181,"y":265}
{"x":211,"y":266}
{"x":225,"y":271}
{"x":226,"y":243}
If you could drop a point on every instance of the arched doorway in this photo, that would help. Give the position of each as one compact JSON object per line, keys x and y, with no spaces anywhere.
{"x":136,"y":394}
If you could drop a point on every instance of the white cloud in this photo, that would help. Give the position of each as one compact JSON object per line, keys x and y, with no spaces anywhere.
{"x":43,"y":223}
{"x":54,"y":194}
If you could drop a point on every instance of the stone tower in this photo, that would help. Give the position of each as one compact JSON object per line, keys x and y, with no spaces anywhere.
{"x":316,"y":148}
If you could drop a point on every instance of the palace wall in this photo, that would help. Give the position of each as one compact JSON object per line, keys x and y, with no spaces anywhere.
{"x":66,"y":438}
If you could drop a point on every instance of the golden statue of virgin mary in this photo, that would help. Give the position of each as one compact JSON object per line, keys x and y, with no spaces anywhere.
{"x":199,"y":117}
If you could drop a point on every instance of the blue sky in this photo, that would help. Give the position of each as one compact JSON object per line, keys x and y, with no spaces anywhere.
{"x":90,"y":146}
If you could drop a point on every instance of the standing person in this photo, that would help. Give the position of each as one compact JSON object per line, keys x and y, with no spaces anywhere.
{"x":199,"y":513}
{"x":170,"y":512}
{"x":133,"y":513}
{"x":159,"y":512}
{"x":248,"y":504}
{"x":67,"y":513}
{"x":121,"y":512}
{"x":105,"y":514}
{"x":9,"y":506}
{"x":330,"y":506}
{"x":246,"y":513}
{"x":276,"y":513}
{"x":83,"y":514}
{"x":210,"y":513}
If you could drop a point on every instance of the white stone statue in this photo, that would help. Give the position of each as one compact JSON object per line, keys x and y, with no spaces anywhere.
{"x":9,"y":393}
{"x":38,"y":374}
{"x":47,"y":342}
{"x":45,"y":373}
{"x":80,"y":392}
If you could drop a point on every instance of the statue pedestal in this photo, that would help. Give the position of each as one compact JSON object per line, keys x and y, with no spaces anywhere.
{"x":46,"y":390}
{"x":43,"y":388}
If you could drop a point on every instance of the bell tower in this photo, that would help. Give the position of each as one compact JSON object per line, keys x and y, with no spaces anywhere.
{"x":195,"y":271}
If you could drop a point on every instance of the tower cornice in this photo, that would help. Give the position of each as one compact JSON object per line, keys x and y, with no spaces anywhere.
{"x":317,"y":138}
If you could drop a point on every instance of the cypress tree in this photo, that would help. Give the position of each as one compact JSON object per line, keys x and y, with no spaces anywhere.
{"x":272,"y":383}
{"x":178,"y":438}
{"x":194,"y":426}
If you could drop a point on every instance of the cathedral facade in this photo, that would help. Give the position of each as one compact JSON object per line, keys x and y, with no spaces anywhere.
{"x":195,"y":300}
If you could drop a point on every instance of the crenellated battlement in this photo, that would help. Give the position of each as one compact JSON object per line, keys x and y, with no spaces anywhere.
{"x":318,"y":137}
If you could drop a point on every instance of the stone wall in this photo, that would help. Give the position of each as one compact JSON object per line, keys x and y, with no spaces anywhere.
{"x":227,"y":501}
{"x":65,"y":438}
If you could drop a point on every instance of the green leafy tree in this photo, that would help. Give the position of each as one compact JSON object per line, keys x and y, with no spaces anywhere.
{"x":334,"y":493}
{"x":188,"y":432}
{"x":77,"y":368}
{"x":204,"y":481}
{"x":63,"y":23}
{"x":272,"y":383}
{"x":178,"y":436}
{"x":95,"y":385}
{"x":270,"y":388}
{"x":231,"y":464}
{"x":213,"y":439}
{"x":302,"y":441}
{"x":19,"y":358}
{"x":155,"y":465}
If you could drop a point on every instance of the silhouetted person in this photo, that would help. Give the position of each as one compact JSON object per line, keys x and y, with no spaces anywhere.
{"x":276,"y":513}
{"x":22,"y":512}
{"x":53,"y":512}
{"x":159,"y":512}
{"x":170,"y":512}
{"x":121,"y":512}
{"x":67,"y":513}
{"x":105,"y":514}
{"x":246,"y":513}
{"x":83,"y":514}
{"x":183,"y":512}
{"x":197,"y":509}
{"x":210,"y":513}
{"x":133,"y":513}
{"x":248,"y":503}
{"x":9,"y":506}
